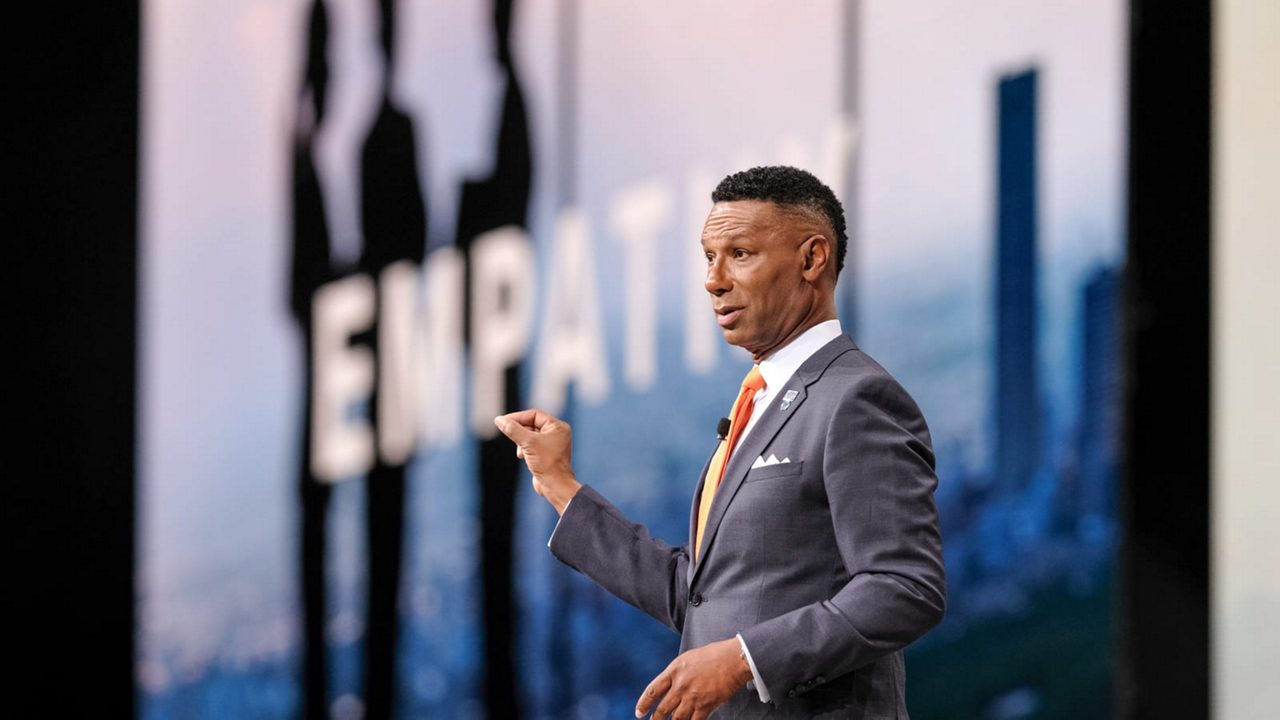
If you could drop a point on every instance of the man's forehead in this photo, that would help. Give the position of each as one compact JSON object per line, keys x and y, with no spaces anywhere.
{"x":739,"y":216}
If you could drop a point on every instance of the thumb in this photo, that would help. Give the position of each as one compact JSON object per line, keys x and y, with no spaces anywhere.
{"x":518,"y":433}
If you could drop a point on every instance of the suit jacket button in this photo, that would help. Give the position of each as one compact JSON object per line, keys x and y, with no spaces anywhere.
{"x":695,"y":599}
{"x":791,"y":693}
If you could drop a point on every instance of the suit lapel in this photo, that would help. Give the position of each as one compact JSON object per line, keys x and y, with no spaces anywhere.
{"x":693,"y":510}
{"x":765,"y":429}
{"x":742,"y":458}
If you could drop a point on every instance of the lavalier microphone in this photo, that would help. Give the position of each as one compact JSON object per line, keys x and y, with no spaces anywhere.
{"x":722,"y":428}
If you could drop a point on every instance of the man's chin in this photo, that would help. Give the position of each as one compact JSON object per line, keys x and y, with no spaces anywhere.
{"x":734,"y":337}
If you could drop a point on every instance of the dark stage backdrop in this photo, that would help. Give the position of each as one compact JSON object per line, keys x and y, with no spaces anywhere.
{"x":369,"y":227}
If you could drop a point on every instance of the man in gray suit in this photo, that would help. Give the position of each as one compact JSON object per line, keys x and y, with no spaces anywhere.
{"x":814,"y":555}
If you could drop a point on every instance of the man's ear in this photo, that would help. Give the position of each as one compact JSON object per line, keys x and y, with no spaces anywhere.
{"x":817,"y":255}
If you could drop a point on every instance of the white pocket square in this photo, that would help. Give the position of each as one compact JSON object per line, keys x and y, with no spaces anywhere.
{"x":772,"y":460}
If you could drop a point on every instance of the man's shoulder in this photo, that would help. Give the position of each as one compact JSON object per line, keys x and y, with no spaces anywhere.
{"x":850,"y":364}
{"x":852,"y":376}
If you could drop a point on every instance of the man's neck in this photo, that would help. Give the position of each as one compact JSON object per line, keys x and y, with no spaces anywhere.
{"x":804,"y":327}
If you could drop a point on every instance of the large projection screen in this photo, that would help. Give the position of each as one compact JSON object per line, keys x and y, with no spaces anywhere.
{"x":301,"y":187}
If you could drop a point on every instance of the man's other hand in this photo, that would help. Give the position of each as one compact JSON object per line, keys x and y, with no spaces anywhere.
{"x":697,"y":682}
{"x":546,"y":444}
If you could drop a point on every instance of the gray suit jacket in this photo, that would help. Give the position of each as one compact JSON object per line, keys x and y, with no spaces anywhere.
{"x":828,"y":565}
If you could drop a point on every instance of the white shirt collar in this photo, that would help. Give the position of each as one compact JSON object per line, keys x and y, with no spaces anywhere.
{"x":778,"y":368}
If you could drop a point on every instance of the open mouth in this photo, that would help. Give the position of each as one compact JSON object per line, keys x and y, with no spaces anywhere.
{"x":726,"y":316}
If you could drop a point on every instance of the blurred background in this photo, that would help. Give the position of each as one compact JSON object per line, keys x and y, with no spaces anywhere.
{"x":286,"y":260}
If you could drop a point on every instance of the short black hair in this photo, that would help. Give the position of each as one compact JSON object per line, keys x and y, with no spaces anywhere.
{"x":788,"y":186}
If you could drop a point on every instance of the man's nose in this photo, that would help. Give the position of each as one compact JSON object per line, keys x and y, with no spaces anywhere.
{"x":717,"y":282}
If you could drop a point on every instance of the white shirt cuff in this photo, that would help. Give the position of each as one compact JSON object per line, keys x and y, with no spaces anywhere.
{"x":557,"y":527}
{"x":761,"y":690}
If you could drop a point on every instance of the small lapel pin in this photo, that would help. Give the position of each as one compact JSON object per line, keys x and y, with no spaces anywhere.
{"x":787,"y":398}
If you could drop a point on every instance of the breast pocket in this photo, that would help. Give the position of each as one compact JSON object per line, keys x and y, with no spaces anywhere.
{"x":774,"y":472}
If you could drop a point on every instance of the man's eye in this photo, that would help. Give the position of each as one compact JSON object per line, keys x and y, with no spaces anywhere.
{"x":740,"y":254}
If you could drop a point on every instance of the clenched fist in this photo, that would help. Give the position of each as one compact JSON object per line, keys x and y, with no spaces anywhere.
{"x":546,"y":444}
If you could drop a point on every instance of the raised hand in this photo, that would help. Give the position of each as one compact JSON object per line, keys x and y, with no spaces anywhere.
{"x":546,"y":444}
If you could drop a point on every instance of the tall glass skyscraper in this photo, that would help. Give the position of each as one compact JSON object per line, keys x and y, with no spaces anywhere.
{"x":1016,"y":386}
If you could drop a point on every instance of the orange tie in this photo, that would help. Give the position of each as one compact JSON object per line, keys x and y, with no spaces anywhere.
{"x":738,"y":418}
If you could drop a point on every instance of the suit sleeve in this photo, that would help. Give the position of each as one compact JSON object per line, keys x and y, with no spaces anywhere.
{"x":878,"y":471}
{"x":596,"y":539}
